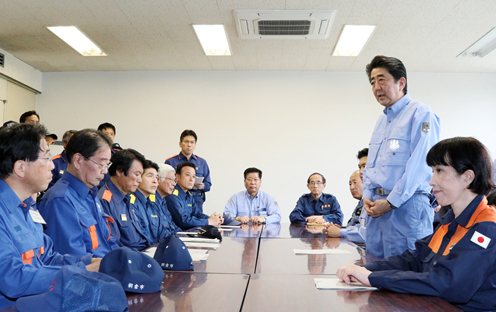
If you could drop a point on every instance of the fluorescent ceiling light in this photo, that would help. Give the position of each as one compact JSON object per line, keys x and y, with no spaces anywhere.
{"x":482,"y":47}
{"x":352,"y":39}
{"x":77,"y":40}
{"x":213,"y":39}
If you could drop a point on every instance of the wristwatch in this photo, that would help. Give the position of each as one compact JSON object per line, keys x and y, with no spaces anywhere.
{"x":391,"y":205}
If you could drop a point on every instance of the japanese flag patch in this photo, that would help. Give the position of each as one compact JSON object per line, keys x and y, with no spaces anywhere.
{"x":480,"y":240}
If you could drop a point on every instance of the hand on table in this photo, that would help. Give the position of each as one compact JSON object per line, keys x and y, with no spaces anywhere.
{"x":352,"y":272}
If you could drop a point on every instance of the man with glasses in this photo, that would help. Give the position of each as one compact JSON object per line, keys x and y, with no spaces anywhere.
{"x":125,"y":177}
{"x":182,"y":205}
{"x":29,"y":263}
{"x":252,"y":205}
{"x":166,"y":180}
{"x":317,"y":207}
{"x":75,"y":218}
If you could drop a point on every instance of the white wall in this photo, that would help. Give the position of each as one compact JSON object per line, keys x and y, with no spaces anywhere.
{"x":20,"y":71}
{"x":288,"y":124}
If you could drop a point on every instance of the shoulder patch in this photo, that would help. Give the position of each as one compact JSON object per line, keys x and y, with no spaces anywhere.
{"x":170,"y":157}
{"x":56,"y":157}
{"x":107,"y":195}
{"x":275,"y":203}
{"x":152,"y":198}
{"x":132,"y":198}
{"x":426,"y":127}
{"x":175,"y":193}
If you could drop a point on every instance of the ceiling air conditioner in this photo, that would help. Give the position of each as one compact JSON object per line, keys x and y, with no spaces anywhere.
{"x":284,"y":24}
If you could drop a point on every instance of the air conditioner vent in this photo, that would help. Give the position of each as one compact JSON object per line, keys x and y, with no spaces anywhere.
{"x":2,"y":59}
{"x":284,"y":24}
{"x":281,"y":28}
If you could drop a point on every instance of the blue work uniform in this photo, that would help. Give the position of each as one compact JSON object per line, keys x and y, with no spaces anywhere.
{"x":75,"y":219}
{"x":29,"y":263}
{"x":358,"y":231}
{"x":456,"y":263}
{"x":396,"y":164}
{"x":137,"y":203}
{"x":185,"y":213}
{"x":126,"y":228}
{"x":355,"y":216}
{"x":242,"y":204}
{"x":326,"y":205}
{"x":155,"y":219}
{"x":60,"y":162}
{"x":202,"y":170}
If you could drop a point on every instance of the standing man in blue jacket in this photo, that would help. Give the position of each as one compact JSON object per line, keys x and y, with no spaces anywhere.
{"x":396,"y":178}
{"x":187,"y":142}
{"x":317,"y":207}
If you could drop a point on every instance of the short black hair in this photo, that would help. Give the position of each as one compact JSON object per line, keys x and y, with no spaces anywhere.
{"x":106,"y":125}
{"x":123,"y":161}
{"x":86,"y":142}
{"x":187,"y":132}
{"x":25,"y":116}
{"x":363,"y":153}
{"x":150,"y":164}
{"x":19,"y":142}
{"x":465,"y":153}
{"x":393,"y":65}
{"x":323,"y":178}
{"x":252,"y":170}
{"x":491,"y":199}
{"x":180,"y":167}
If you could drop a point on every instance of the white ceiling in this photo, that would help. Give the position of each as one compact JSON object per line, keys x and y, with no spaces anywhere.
{"x":426,"y":35}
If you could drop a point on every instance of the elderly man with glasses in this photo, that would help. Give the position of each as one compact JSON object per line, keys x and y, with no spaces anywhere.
{"x":317,"y":207}
{"x":75,"y":218}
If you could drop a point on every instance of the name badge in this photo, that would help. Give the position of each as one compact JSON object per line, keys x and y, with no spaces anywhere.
{"x":37,"y":218}
{"x":124,"y":217}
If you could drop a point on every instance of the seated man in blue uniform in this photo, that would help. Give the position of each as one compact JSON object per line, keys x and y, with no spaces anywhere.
{"x":29,"y":263}
{"x":317,"y":207}
{"x":187,"y":142}
{"x":60,"y":161}
{"x":456,"y":262}
{"x":354,"y":231}
{"x":125,"y":176}
{"x":156,"y":222}
{"x":109,"y":130}
{"x":166,"y":180}
{"x":181,"y":204}
{"x":253,"y":205}
{"x":75,"y":219}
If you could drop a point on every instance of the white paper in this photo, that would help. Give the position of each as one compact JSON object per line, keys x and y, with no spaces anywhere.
{"x":186,"y":233}
{"x":223,"y":227}
{"x":202,"y":245}
{"x":321,"y":251}
{"x":333,"y":283}
{"x":196,"y":254}
{"x":198,"y":180}
{"x":150,"y":251}
{"x":200,"y":240}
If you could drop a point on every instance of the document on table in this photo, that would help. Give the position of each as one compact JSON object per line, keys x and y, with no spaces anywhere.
{"x":196,"y":254}
{"x":321,"y":251}
{"x":223,"y":227}
{"x":333,"y":283}
{"x":200,"y":240}
{"x":202,"y":245}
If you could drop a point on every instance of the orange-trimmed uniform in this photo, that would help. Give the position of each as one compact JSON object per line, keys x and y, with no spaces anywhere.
{"x":60,"y":163}
{"x":456,"y":263}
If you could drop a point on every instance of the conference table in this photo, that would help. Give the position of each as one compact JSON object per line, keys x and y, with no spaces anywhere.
{"x":255,"y":268}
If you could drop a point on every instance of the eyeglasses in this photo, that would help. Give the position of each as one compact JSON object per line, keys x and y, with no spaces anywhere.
{"x":316,"y":183}
{"x":102,"y":167}
{"x":172,"y":180}
{"x":49,"y":157}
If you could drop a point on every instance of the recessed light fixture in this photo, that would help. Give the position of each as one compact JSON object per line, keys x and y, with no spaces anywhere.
{"x":77,"y":40}
{"x":482,"y":47}
{"x":213,"y":39}
{"x":352,"y":39}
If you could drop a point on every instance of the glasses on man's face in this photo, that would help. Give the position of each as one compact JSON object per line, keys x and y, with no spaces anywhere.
{"x":172,"y":180}
{"x":313,"y":183}
{"x":49,"y":157}
{"x":102,"y":167}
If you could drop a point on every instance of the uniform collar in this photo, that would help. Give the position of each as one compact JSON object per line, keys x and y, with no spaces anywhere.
{"x":64,"y":156}
{"x":119,"y":196}
{"x":180,"y":191}
{"x":321,"y":199}
{"x":139,"y":196}
{"x":8,"y":197}
{"x":466,"y":215}
{"x":181,"y":156}
{"x":399,"y":105}
{"x":78,"y":185}
{"x":249,"y":196}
